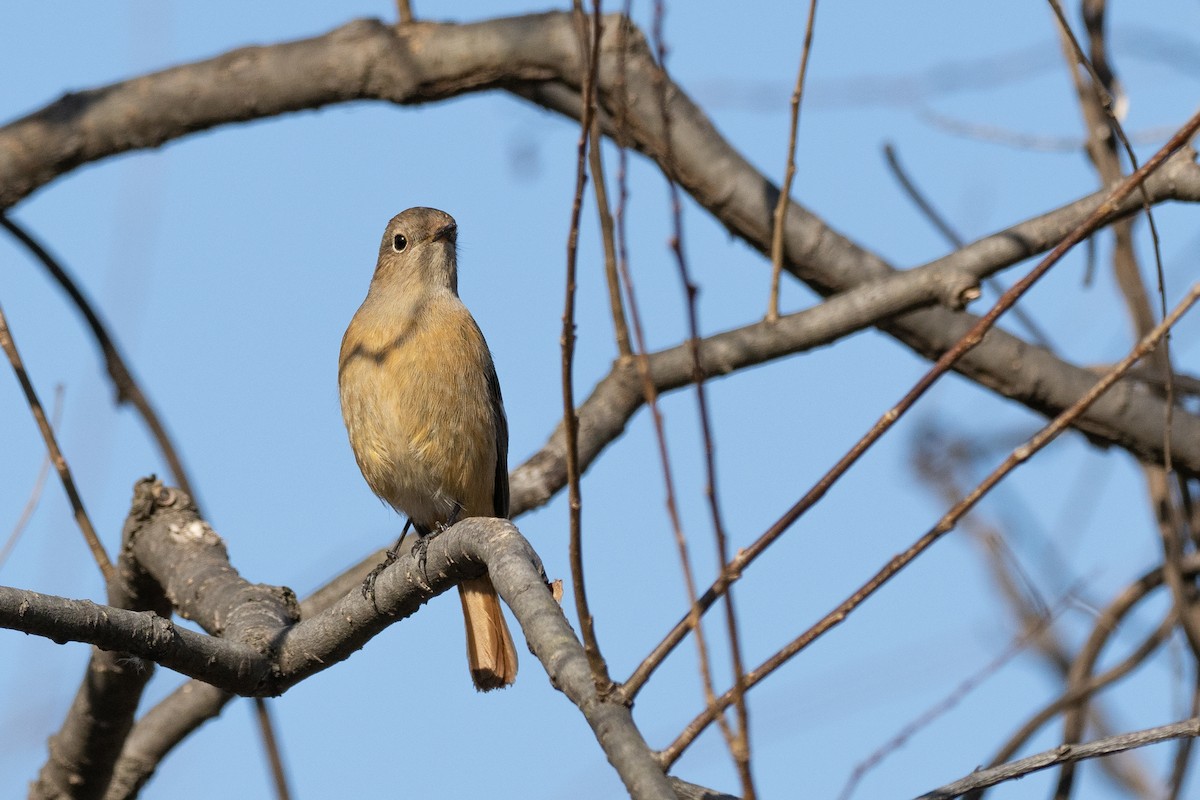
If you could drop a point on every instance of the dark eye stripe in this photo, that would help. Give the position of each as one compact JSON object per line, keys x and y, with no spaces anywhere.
{"x":399,"y":243}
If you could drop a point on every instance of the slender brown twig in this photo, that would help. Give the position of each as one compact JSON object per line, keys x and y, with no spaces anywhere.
{"x":968,"y":341}
{"x":404,"y":11}
{"x":1104,"y":130}
{"x":607,"y":237}
{"x":39,"y":484}
{"x":266,"y":729}
{"x":60,"y":462}
{"x":1018,"y":456}
{"x":737,"y":739}
{"x":590,"y":49}
{"x":785,"y":191}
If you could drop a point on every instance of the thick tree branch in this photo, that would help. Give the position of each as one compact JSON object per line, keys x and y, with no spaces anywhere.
{"x":428,"y":62}
{"x":139,"y":634}
{"x":84,"y":751}
{"x":264,"y":652}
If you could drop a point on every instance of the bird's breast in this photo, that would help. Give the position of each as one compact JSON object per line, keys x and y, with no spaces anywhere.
{"x":415,"y":401}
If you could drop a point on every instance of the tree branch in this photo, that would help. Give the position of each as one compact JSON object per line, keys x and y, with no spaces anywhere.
{"x":263,"y":651}
{"x":427,"y":62}
{"x":1064,"y":754}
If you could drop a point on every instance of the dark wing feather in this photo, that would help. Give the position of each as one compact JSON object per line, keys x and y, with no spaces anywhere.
{"x":500,"y":487}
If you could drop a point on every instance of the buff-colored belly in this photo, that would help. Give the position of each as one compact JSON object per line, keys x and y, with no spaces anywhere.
{"x":419,"y":416}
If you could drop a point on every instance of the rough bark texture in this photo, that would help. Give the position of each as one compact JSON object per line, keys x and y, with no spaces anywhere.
{"x":255,"y":645}
{"x":263,"y":649}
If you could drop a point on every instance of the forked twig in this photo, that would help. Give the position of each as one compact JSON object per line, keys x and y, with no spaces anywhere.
{"x":1014,"y":648}
{"x":785,"y":191}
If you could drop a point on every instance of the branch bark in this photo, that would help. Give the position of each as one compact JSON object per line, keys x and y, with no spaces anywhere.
{"x":264,"y":650}
{"x":1065,"y":754}
{"x":536,"y":57}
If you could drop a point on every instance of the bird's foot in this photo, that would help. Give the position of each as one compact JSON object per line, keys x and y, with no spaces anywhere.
{"x":368,"y":584}
{"x":420,"y":550}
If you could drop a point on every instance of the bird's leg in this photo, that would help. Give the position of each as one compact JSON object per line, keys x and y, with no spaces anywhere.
{"x":421,"y":548}
{"x":368,"y":585}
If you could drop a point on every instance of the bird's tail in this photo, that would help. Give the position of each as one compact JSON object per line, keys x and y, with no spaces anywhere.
{"x":490,"y":651}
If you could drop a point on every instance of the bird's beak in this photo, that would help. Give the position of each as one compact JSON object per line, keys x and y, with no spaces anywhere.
{"x":445,"y":232}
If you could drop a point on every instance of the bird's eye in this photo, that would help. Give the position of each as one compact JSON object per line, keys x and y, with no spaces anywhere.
{"x":399,"y":242}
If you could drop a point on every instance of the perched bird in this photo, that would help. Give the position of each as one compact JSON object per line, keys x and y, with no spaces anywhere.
{"x":423,"y":409}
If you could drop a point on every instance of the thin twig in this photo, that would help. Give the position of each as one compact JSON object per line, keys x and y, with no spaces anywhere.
{"x":1183,"y":755}
{"x":39,"y":484}
{"x":1014,"y":648}
{"x":1021,"y":454}
{"x":1065,"y":754}
{"x":1080,"y":693}
{"x":607,"y":237}
{"x":404,"y":11}
{"x":641,"y":359}
{"x":127,"y":388}
{"x":968,"y":341}
{"x":1019,"y":591}
{"x":266,"y":729}
{"x":1103,"y":130}
{"x":590,"y":52}
{"x":60,"y":463}
{"x":785,"y":191}
{"x":923,"y":204}
{"x":738,"y":740}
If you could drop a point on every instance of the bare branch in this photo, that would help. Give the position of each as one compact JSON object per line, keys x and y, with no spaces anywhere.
{"x":969,"y":340}
{"x":223,"y":663}
{"x":1036,"y":335}
{"x":263,"y":652}
{"x":426,"y":62}
{"x":785,"y":191}
{"x":1064,"y":754}
{"x":589,"y":45}
{"x":943,"y":526}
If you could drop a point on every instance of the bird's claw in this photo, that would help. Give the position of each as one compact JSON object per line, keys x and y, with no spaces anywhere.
{"x":420,"y":550}
{"x":368,"y":584}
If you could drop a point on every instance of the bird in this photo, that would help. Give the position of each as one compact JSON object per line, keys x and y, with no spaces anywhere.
{"x":424,"y":413}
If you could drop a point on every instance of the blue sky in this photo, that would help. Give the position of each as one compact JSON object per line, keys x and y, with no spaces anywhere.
{"x":228,"y":264}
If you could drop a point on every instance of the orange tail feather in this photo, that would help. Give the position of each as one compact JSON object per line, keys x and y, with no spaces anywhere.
{"x":490,"y":651}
